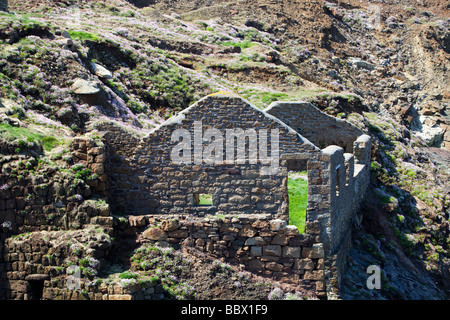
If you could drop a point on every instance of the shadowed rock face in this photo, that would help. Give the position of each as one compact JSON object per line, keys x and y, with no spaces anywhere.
{"x":142,"y":3}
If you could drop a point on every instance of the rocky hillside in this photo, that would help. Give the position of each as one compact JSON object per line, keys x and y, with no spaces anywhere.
{"x":66,"y":65}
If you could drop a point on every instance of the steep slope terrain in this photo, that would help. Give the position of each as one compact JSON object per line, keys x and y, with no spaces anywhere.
{"x":67,"y":65}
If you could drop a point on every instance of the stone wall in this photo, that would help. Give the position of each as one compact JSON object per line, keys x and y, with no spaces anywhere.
{"x":125,"y":182}
{"x":36,"y":266}
{"x":152,"y":183}
{"x":347,"y":151}
{"x":148,"y":182}
{"x":37,"y":198}
{"x":266,"y":247}
{"x":318,"y":127}
{"x":45,"y":255}
{"x":349,"y":179}
{"x":245,"y":225}
{"x":91,"y":155}
{"x":260,"y":244}
{"x":50,"y":198}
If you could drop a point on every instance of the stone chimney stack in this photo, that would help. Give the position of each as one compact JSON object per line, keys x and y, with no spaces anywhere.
{"x":4,"y":5}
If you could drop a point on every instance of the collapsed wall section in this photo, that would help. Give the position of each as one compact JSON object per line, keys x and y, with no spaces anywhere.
{"x":37,"y":262}
{"x":321,"y":129}
{"x":261,"y":245}
{"x":256,"y":243}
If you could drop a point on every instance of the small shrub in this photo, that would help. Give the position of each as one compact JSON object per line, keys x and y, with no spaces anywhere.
{"x":128,"y":275}
{"x":49,"y":143}
{"x":127,"y":282}
{"x":276,"y":294}
{"x":82,"y":35}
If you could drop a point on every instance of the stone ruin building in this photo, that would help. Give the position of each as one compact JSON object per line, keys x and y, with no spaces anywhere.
{"x":246,"y":222}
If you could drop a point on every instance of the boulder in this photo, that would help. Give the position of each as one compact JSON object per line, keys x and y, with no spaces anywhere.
{"x":81,"y":86}
{"x":170,"y":225}
{"x":101,"y":71}
{"x":66,"y":35}
{"x":155,"y":234}
{"x":361,"y":64}
{"x":137,"y":221}
{"x":428,"y":130}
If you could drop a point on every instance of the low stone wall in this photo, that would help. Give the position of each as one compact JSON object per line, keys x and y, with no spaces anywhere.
{"x":261,"y":245}
{"x":265,"y":247}
{"x":35,"y":266}
{"x":57,"y":290}
{"x":49,"y":198}
{"x":45,"y":255}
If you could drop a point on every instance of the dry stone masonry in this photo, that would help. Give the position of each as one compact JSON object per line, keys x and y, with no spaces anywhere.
{"x":264,"y":246}
{"x":246,"y":223}
{"x":318,"y":127}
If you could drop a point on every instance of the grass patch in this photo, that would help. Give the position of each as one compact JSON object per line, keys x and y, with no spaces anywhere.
{"x":243,"y":44}
{"x":49,"y":143}
{"x":128,"y":275}
{"x":298,"y":201}
{"x":24,"y":135}
{"x":11,"y":133}
{"x":269,"y":97}
{"x":205,"y":200}
{"x":83,"y":35}
{"x":262,"y":99}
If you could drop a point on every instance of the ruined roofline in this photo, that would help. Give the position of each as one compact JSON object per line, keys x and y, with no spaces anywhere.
{"x":223,"y":95}
{"x":276,"y":104}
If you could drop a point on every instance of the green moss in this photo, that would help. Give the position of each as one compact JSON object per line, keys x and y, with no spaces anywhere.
{"x":262,"y":99}
{"x":83,"y":35}
{"x":128,"y":275}
{"x":243,"y":44}
{"x":49,"y":143}
{"x":269,"y":97}
{"x":26,"y":137}
{"x":11,"y":133}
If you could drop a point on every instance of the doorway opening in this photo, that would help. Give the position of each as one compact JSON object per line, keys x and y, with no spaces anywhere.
{"x":297,"y":186}
{"x":36,"y":289}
